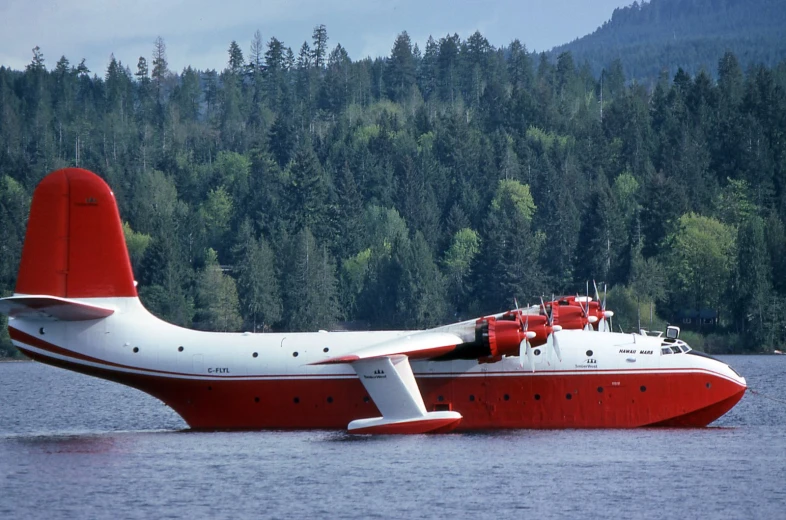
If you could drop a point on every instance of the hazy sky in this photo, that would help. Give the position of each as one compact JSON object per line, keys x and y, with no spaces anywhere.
{"x":198,"y":32}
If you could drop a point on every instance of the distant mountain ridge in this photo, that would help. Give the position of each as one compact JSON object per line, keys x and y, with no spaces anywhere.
{"x":692,"y":34}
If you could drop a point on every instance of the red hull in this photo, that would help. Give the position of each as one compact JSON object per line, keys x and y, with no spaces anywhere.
{"x":540,"y":400}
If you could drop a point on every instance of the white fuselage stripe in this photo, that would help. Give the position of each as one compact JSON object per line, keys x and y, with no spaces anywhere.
{"x":324,"y":375}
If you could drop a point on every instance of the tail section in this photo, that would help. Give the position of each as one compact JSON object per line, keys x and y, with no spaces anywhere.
{"x":74,"y":246}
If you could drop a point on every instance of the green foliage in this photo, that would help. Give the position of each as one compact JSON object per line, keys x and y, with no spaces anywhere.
{"x":699,"y":259}
{"x":216,"y":212}
{"x":217,"y":306}
{"x":753,"y":286}
{"x":421,"y":287}
{"x":14,"y":206}
{"x":733,"y":204}
{"x":258,"y":291}
{"x":548,"y":141}
{"x":632,"y":312}
{"x":458,"y":262}
{"x":137,"y":244}
{"x":445,"y":182}
{"x":354,"y":274}
{"x":7,"y":349}
{"x":311,"y":299}
{"x":513,"y":193}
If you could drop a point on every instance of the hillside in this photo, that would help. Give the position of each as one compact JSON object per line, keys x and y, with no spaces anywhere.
{"x":693,"y":34}
{"x":293,"y":193}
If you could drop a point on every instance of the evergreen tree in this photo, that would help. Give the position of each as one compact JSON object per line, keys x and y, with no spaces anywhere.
{"x":309,"y":191}
{"x":753,"y":287}
{"x":258,"y":290}
{"x":160,"y":68}
{"x":400,"y":69}
{"x":217,"y":306}
{"x":237,"y":64}
{"x":319,"y":46}
{"x":505,"y":270}
{"x":312,"y":295}
{"x":421,"y":301}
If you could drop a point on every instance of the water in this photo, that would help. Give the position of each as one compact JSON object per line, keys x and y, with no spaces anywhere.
{"x":72,"y":446}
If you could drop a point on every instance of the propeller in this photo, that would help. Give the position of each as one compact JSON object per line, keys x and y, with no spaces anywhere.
{"x":525,"y":349}
{"x":603,"y":326}
{"x":551,"y":340}
{"x":585,"y":311}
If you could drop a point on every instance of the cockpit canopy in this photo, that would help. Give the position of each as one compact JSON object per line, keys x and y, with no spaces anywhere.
{"x":673,"y":346}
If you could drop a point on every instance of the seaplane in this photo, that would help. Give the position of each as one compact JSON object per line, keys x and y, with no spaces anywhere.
{"x":553,"y":365}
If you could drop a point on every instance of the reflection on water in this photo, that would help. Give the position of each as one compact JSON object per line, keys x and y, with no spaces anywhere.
{"x":76,"y":447}
{"x":69,"y":444}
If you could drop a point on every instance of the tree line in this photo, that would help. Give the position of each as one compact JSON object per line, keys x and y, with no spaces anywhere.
{"x":693,"y":34}
{"x":304,"y":191}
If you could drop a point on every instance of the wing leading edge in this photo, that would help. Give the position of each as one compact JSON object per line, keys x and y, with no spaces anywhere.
{"x":419,"y":345}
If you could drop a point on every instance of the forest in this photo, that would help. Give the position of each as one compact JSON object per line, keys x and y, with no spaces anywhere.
{"x":302,"y":190}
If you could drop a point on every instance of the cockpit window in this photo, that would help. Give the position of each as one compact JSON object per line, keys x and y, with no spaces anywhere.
{"x":665,"y":350}
{"x":676,"y":350}
{"x":684,"y":348}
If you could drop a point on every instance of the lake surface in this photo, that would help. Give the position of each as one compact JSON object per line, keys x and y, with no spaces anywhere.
{"x":72,"y":446}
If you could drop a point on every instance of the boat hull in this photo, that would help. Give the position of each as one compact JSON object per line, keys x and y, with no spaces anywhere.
{"x":493,"y":400}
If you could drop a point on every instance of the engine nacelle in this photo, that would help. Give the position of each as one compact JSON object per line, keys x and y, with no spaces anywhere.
{"x":496,"y":337}
{"x":504,"y":337}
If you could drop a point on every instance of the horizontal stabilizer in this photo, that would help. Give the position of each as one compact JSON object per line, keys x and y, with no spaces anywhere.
{"x":51,"y":308}
{"x":419,"y":345}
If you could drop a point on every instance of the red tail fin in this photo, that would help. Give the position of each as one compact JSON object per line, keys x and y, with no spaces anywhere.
{"x":74,"y":247}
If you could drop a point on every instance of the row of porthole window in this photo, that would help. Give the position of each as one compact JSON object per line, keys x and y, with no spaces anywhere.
{"x":294,"y":354}
{"x":568,"y":396}
{"x":255,"y":354}
{"x":329,"y":399}
{"x":506,"y":397}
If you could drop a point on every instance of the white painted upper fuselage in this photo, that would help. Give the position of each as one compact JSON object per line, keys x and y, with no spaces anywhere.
{"x":133,"y":340}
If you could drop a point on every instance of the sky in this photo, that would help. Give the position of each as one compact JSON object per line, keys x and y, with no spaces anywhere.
{"x":198,"y":32}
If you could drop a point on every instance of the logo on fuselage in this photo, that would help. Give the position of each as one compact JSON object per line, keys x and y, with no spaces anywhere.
{"x":588,"y":363}
{"x":378,"y":374}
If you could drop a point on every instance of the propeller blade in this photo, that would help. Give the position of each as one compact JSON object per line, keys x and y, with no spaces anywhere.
{"x":554,"y":311}
{"x":522,"y":351}
{"x":555,"y":344}
{"x":548,"y":312}
{"x":603,"y":326}
{"x":530,"y":355}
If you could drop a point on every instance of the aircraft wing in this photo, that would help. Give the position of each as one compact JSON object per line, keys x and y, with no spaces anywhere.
{"x":418,"y":345}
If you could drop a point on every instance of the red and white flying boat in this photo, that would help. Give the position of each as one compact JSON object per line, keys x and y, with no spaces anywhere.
{"x":76,"y":307}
